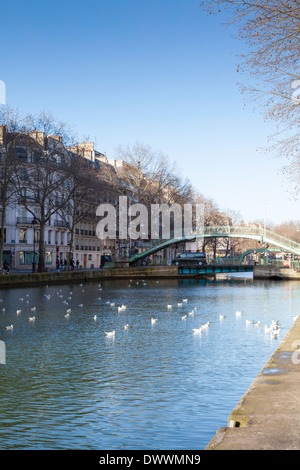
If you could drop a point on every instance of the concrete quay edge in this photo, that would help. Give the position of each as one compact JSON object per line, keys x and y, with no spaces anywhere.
{"x":56,"y":277}
{"x":267,"y":417}
{"x":273,"y":272}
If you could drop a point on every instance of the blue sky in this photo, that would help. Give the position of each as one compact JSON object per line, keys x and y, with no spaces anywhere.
{"x":158,"y":71}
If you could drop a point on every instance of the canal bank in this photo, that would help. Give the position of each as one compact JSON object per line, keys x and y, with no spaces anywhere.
{"x":273,"y":272}
{"x":62,"y":277}
{"x":267,"y":416}
{"x":18,"y":279}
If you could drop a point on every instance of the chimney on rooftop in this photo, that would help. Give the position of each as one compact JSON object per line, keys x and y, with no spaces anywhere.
{"x":3,"y":134}
{"x":39,"y":136}
{"x":56,"y":137}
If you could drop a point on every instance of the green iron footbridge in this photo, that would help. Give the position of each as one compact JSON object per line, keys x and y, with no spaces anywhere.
{"x":259,"y":234}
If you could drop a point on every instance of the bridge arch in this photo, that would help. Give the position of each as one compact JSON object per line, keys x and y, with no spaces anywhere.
{"x":259,"y":234}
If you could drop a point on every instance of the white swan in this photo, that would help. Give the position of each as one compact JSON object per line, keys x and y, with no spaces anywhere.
{"x":80,"y":305}
{"x":33,"y":309}
{"x":67,"y":315}
{"x":10,"y":327}
{"x":257,"y":323}
{"x":238,"y":314}
{"x":169,"y":306}
{"x":184,"y":300}
{"x":249,"y":322}
{"x":69,"y":310}
{"x":31,"y":318}
{"x":275,"y":333}
{"x":179,"y":304}
{"x":153,"y":321}
{"x":184,"y":317}
{"x":95,"y":317}
{"x":191,"y":313}
{"x":126,"y":326}
{"x":222,"y":316}
{"x":19,"y":311}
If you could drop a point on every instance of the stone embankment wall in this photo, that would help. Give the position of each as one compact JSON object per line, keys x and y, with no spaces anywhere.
{"x":32,"y":279}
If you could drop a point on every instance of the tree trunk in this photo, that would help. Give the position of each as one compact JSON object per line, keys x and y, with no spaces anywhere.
{"x":215,"y":248}
{"x":41,"y":265}
{"x":2,"y":231}
{"x":71,"y":244}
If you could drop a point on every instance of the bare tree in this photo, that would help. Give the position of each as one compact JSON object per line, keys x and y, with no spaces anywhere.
{"x":43,"y":170}
{"x":150,"y":176}
{"x":7,"y":192}
{"x":270,"y":30}
{"x":290,"y":229}
{"x":12,"y":126}
{"x":42,"y":182}
{"x":83,"y":185}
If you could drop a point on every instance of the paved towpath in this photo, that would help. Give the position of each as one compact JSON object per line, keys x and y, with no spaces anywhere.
{"x":268,"y":415}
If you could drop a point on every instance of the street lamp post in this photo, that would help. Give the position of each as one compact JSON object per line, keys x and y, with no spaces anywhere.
{"x":34,"y":222}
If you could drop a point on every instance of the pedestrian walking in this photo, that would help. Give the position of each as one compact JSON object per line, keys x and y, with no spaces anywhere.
{"x":6,"y":266}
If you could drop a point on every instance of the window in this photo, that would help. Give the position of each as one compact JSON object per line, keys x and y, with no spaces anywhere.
{"x":48,"y":257}
{"x":36,"y":196}
{"x":23,"y":174}
{"x":36,"y":236}
{"x":21,"y":152}
{"x":26,"y":257}
{"x":36,"y":157}
{"x":23,"y":236}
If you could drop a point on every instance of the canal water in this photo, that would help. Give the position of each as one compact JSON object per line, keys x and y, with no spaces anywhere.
{"x":67,"y":385}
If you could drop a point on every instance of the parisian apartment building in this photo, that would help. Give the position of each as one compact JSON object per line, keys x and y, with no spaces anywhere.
{"x":22,"y":232}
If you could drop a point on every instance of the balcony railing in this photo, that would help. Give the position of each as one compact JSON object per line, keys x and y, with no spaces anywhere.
{"x":26,"y":220}
{"x":60,"y":223}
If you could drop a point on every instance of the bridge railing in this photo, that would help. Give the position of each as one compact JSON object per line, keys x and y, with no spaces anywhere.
{"x":282,"y":240}
{"x":256,"y":233}
{"x":259,"y":232}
